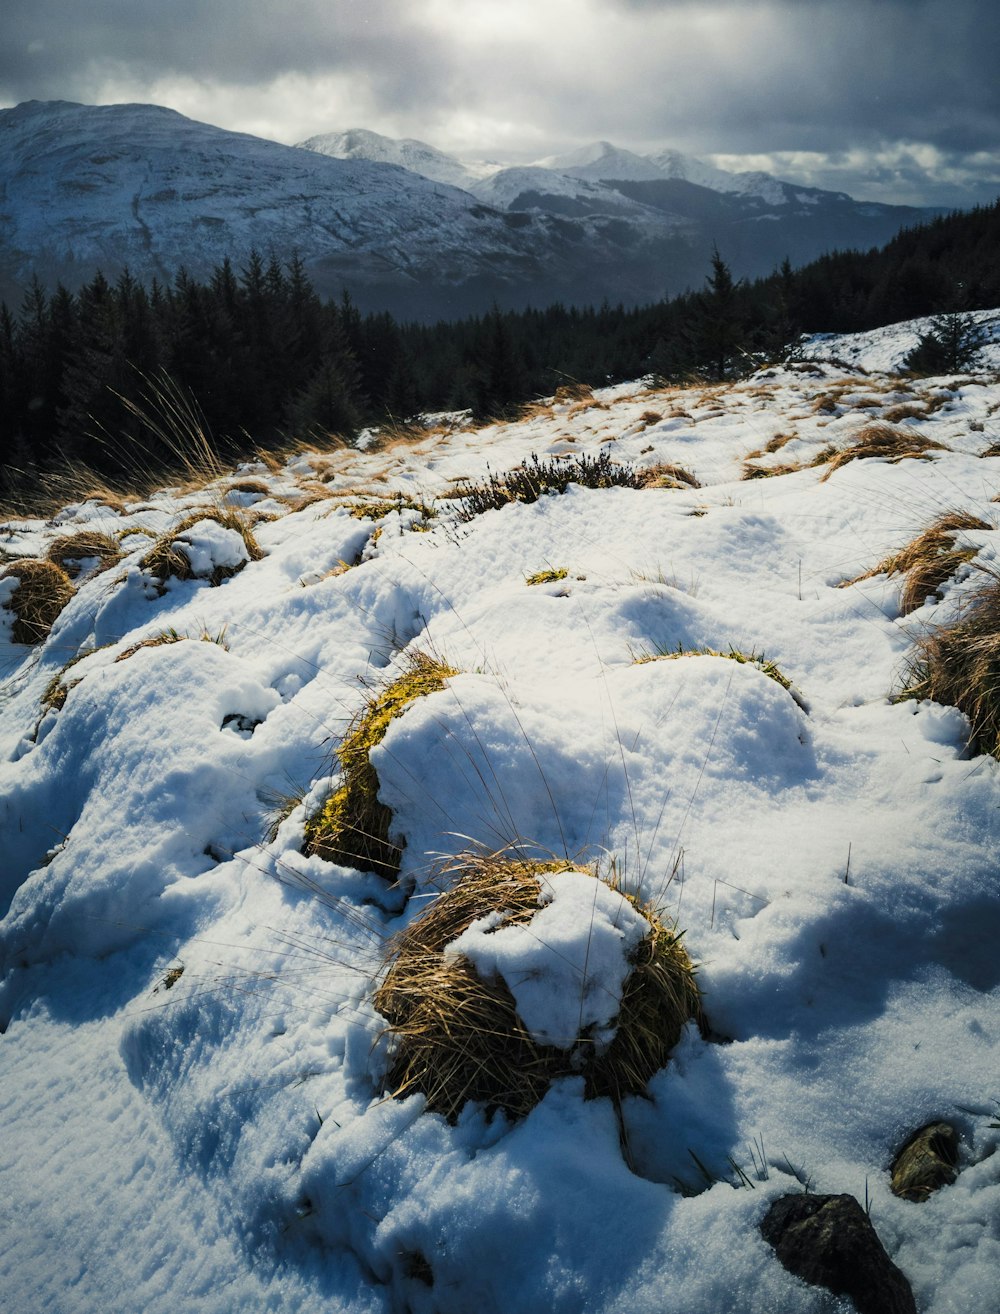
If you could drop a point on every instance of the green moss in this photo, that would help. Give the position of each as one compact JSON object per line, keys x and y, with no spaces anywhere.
{"x":352,"y":827}
{"x":545,"y":576}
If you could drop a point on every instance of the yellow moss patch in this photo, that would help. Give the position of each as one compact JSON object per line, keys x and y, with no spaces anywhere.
{"x":352,"y":827}
{"x":458,"y":1037}
{"x":42,"y":591}
{"x":766,"y":667}
{"x":545,"y":576}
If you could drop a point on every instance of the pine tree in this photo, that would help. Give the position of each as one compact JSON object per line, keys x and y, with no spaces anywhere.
{"x":718,"y":331}
{"x":950,"y":345}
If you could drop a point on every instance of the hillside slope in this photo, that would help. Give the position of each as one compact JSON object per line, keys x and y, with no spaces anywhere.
{"x":192,"y":1067}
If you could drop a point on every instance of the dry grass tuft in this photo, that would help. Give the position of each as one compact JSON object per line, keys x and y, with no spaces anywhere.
{"x":904,"y":411}
{"x":459,"y":1038}
{"x":167,"y":557}
{"x":352,"y":827}
{"x":929,"y":560}
{"x":753,"y":471}
{"x":959,"y":664}
{"x":665,"y":475}
{"x":71,"y":550}
{"x":42,"y":591}
{"x":251,"y":487}
{"x":883,"y":441}
{"x":570,"y":392}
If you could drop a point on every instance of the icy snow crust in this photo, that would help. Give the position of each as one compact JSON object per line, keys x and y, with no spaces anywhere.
{"x":215,"y":1139}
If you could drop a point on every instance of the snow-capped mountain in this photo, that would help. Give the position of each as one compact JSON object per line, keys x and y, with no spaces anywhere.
{"x":86,"y":188}
{"x":417,"y":156}
{"x":601,"y":160}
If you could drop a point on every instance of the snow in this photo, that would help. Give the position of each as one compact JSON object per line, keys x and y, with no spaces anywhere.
{"x":567,"y":966}
{"x":191,"y":1062}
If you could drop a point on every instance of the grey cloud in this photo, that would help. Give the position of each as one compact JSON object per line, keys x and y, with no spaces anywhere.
{"x":49,"y":50}
{"x":702,"y":75}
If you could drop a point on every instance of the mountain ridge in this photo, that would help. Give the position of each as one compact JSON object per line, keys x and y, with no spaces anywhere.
{"x":143,"y":187}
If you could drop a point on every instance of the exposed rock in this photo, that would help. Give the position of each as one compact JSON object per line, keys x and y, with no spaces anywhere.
{"x":926,"y":1161}
{"x":829,"y":1241}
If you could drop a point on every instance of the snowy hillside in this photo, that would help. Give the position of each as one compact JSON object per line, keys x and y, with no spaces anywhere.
{"x":108,"y":186}
{"x":193,"y":1064}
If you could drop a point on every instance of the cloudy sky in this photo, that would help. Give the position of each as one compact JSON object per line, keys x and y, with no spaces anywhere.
{"x":891,"y":100}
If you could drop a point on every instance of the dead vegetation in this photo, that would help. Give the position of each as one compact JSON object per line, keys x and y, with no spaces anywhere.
{"x":170,"y":555}
{"x":665,"y":475}
{"x":458,"y":1037}
{"x":959,"y":665}
{"x":172,"y":636}
{"x":886,"y":443}
{"x":70,"y":551}
{"x":932,"y":558}
{"x":43,"y":590}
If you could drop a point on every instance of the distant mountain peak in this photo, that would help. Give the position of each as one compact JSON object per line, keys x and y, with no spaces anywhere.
{"x":406,"y":152}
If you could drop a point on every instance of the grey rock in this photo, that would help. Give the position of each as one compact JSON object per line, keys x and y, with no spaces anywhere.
{"x":829,"y":1241}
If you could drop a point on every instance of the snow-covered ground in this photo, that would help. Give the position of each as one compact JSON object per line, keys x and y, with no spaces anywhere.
{"x":190,"y":1099}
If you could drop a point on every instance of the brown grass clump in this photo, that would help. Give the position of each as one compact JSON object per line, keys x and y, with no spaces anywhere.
{"x":753,"y":471}
{"x":459,"y":1037}
{"x":904,"y":411}
{"x":929,"y":560}
{"x":70,"y":550}
{"x":249,"y":486}
{"x":665,"y":475}
{"x":959,"y":664}
{"x":568,"y":392}
{"x":882,"y":440}
{"x":42,"y":591}
{"x":352,"y":827}
{"x":167,"y":557}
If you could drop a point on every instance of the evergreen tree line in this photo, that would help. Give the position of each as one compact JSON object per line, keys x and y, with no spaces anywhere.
{"x":266,"y":359}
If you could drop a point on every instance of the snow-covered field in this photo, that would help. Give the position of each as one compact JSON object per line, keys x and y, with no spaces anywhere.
{"x":190,"y":1101}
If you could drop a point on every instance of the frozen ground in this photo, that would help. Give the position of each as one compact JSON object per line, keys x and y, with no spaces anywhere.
{"x":214,"y":1138}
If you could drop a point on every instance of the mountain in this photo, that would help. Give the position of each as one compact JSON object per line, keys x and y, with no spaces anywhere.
{"x":417,"y":156}
{"x":88,"y":187}
{"x":601,"y":160}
